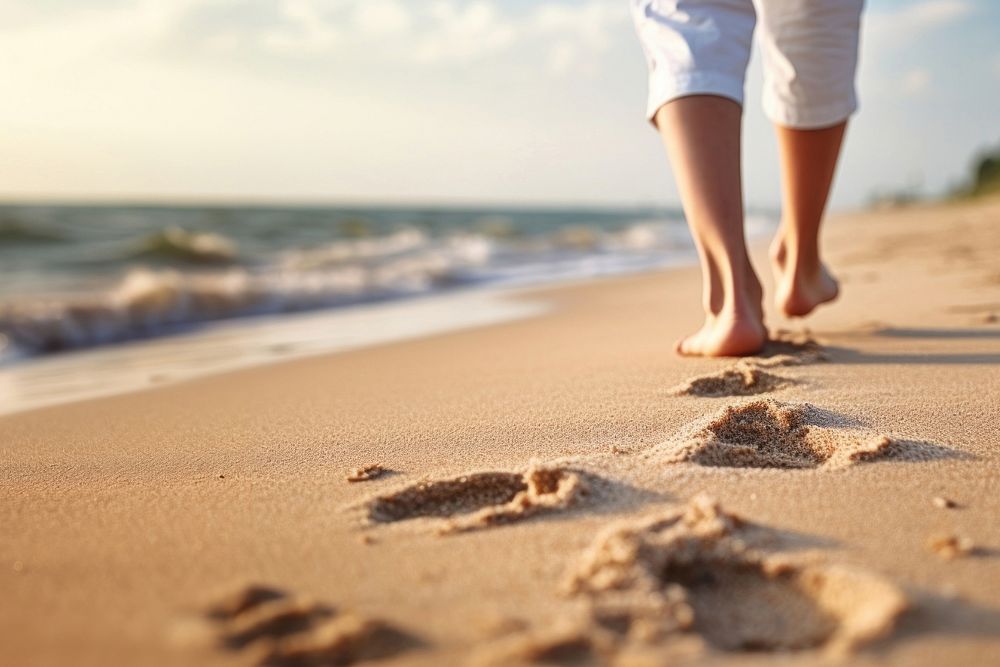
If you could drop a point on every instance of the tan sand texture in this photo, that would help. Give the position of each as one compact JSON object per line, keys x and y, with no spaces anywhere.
{"x":130,"y":527}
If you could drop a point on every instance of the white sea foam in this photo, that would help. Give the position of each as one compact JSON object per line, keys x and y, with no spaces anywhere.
{"x":167,"y":279}
{"x":149,"y":301}
{"x":232,"y":345}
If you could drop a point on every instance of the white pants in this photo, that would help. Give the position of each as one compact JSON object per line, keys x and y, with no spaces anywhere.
{"x":701,"y":47}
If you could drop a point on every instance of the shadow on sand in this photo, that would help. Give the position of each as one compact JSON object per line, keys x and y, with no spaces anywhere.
{"x":849,"y":355}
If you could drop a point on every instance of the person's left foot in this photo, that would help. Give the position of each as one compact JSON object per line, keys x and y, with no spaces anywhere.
{"x":800,"y":289}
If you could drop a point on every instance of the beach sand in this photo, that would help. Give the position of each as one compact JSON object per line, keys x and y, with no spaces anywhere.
{"x":556,"y":490}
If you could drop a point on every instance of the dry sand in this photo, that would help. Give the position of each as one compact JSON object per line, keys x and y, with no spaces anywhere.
{"x":539,"y":500}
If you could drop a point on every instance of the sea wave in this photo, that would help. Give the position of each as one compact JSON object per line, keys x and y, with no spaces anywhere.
{"x":203,"y":277}
{"x":148,"y":302}
{"x":175,"y":244}
{"x":12,"y":231}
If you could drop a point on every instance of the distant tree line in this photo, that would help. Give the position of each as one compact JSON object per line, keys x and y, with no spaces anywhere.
{"x":985,"y":177}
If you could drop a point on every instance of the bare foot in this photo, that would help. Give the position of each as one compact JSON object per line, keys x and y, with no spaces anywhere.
{"x":800,"y":288}
{"x":731,"y":332}
{"x":725,"y":335}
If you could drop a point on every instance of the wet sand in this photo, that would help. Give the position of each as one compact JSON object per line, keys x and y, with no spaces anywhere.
{"x":556,"y":490}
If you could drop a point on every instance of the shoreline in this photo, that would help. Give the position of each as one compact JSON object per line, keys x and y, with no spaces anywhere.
{"x":231,"y":345}
{"x":247,"y":342}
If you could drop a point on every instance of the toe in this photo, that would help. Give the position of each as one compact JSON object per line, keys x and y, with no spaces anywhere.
{"x":684,"y":347}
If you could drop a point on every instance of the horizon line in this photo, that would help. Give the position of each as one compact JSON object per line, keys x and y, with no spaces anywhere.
{"x":266,"y":201}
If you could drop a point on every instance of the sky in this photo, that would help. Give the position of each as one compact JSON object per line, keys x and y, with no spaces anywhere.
{"x":435,"y":101}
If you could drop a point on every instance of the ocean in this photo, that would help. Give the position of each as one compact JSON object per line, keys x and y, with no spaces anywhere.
{"x":127,"y":280}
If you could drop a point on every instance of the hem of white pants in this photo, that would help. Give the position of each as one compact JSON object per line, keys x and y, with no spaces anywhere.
{"x":813,"y":118}
{"x":663,"y":89}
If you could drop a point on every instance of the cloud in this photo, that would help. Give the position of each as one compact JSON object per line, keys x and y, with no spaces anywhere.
{"x":576,"y":31}
{"x":460,"y":33}
{"x":932,"y":13}
{"x":304,"y":30}
{"x":896,"y":56}
{"x":382,"y":18}
{"x":915,"y":82}
{"x":588,"y":23}
{"x":562,"y":56}
{"x":438,"y":34}
{"x":903,"y":25}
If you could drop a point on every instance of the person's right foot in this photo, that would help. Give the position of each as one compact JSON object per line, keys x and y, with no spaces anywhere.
{"x":799,"y":288}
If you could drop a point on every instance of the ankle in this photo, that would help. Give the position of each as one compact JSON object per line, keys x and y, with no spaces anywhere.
{"x":729,"y":279}
{"x":738,"y":313}
{"x":776,"y":251}
{"x":802,"y":260}
{"x":742,"y":304}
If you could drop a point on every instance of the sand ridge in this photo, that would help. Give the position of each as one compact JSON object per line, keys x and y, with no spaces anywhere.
{"x":367,"y":473}
{"x":741,"y":379}
{"x":765,"y":433}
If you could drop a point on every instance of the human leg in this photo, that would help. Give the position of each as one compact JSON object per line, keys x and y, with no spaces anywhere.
{"x":702,"y":137}
{"x":808,"y":161}
{"x":697,"y":54}
{"x":810,"y":50}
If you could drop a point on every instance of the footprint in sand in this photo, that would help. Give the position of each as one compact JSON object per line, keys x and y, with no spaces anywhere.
{"x":481,"y":500}
{"x":748,"y":377}
{"x":765,"y":433}
{"x":742,"y":379}
{"x":701,"y":571}
{"x":276,"y":629}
